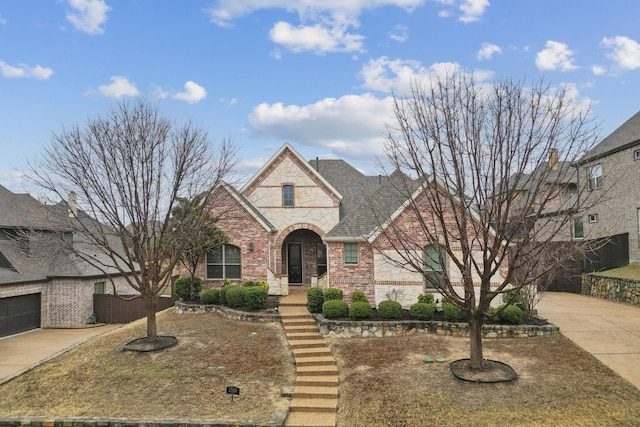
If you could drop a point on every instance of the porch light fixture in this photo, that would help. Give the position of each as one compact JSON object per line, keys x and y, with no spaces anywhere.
{"x":250,"y":246}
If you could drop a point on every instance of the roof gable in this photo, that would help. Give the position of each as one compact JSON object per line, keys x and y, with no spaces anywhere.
{"x":247,"y":206}
{"x":287,"y":151}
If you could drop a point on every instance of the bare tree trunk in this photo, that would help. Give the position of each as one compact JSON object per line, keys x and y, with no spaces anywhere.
{"x":151,"y":303}
{"x":476,"y":360}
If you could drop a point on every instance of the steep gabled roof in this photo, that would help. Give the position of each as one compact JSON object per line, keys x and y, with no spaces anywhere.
{"x":627,"y":135}
{"x":288,"y":148}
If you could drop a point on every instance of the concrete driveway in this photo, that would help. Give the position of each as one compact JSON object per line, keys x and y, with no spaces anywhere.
{"x":610,"y":331}
{"x":22,"y":352}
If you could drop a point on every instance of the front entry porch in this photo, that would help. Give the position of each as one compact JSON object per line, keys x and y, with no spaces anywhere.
{"x":304,"y":257}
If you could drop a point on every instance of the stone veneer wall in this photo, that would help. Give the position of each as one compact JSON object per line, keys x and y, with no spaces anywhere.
{"x":379,"y":329}
{"x":611,"y":288}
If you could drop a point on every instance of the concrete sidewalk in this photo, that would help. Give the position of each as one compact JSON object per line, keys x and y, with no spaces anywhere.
{"x":22,"y":352}
{"x":610,"y":331}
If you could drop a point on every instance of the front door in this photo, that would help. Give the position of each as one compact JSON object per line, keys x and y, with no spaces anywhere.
{"x":294,"y":262}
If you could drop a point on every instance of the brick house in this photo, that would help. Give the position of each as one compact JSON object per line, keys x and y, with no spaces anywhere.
{"x":309,"y":223}
{"x":42,"y":283}
{"x":610,"y":171}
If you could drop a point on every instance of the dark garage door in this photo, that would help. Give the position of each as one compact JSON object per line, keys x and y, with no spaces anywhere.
{"x":19,"y":314}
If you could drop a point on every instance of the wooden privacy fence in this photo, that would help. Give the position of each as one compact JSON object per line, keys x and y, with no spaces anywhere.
{"x":112,"y":309}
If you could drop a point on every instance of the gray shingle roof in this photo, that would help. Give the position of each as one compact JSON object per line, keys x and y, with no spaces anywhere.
{"x":627,"y":135}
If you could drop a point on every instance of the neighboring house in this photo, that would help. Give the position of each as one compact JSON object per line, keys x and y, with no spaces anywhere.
{"x":42,"y":282}
{"x":298,"y":222}
{"x":610,"y":171}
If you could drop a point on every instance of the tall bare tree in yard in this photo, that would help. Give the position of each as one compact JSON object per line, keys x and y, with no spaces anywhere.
{"x":129,"y":168}
{"x":467,"y":150}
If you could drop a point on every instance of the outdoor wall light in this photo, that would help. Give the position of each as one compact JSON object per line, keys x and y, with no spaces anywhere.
{"x":250,"y":246}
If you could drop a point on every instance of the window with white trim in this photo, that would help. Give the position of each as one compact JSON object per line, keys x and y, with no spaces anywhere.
{"x":350,"y":253}
{"x":288,"y":196}
{"x":224,"y":263}
{"x":435,"y":262}
{"x":595,"y":176}
{"x":578,"y":228}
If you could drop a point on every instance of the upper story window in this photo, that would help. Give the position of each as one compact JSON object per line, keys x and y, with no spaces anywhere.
{"x":350,"y":253}
{"x":224,"y":263}
{"x":288,"y":196}
{"x":595,"y":176}
{"x":636,"y":154}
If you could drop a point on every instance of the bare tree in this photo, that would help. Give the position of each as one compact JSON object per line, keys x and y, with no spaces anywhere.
{"x":128,"y":169}
{"x":468,"y":151}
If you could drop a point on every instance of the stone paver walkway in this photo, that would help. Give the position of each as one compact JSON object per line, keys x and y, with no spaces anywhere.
{"x":609,"y":330}
{"x":315,"y":395}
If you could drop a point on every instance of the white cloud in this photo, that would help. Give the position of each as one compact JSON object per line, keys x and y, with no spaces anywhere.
{"x":88,"y":16}
{"x":316,"y":38}
{"x":598,"y":70}
{"x":472,"y":10}
{"x":193,"y":93}
{"x":400,"y":33}
{"x":324,"y":24}
{"x":159,"y":93}
{"x":624,"y":51}
{"x":351,"y":126}
{"x":119,"y":88}
{"x":2,"y":20}
{"x":385,"y":75}
{"x":23,"y":71}
{"x":555,"y":56}
{"x":487,"y":51}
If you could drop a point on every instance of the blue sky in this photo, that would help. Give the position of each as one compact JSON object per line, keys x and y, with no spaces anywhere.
{"x":319,"y":74}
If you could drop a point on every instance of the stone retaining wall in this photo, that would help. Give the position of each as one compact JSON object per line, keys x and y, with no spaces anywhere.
{"x":378,"y":329}
{"x":611,"y":288}
{"x":229,"y":313}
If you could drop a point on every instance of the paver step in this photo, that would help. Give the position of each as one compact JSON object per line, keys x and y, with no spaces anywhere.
{"x":308,"y":343}
{"x":311,"y":419}
{"x":319,"y":392}
{"x":317,"y":370}
{"x":298,"y":320}
{"x":315,"y":360}
{"x":313,"y":405}
{"x":314,"y":351}
{"x":291,"y":336}
{"x":316,"y":380}
{"x":300,"y":328}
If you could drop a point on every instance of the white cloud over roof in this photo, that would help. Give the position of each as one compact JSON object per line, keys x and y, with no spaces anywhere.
{"x":193,"y":93}
{"x":88,"y":16}
{"x":23,"y":71}
{"x":555,"y":56}
{"x":315,"y":38}
{"x":624,"y":51}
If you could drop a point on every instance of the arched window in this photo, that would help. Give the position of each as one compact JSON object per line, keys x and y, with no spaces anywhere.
{"x":224,"y":263}
{"x":435,"y":264}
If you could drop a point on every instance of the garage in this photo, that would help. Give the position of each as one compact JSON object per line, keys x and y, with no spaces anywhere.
{"x":19,"y":314}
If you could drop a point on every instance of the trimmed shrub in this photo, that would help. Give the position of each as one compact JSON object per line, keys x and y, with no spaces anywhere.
{"x":256,"y":297}
{"x":315,"y":299}
{"x":360,"y":310}
{"x":236,"y":296}
{"x":249,"y":283}
{"x":511,"y":314}
{"x":492,"y":318}
{"x":359,"y":296}
{"x":332,"y":294}
{"x":422,"y":311}
{"x":187,"y":289}
{"x":452,"y":312}
{"x":426,"y":299}
{"x":390,"y":310}
{"x":210,"y":296}
{"x":335,"y":308}
{"x":223,"y":294}
{"x":516,"y":297}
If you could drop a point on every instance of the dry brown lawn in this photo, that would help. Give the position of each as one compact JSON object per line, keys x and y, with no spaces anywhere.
{"x":384,"y":382}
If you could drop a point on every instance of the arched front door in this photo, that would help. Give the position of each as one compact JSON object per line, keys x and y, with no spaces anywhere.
{"x":303,"y":256}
